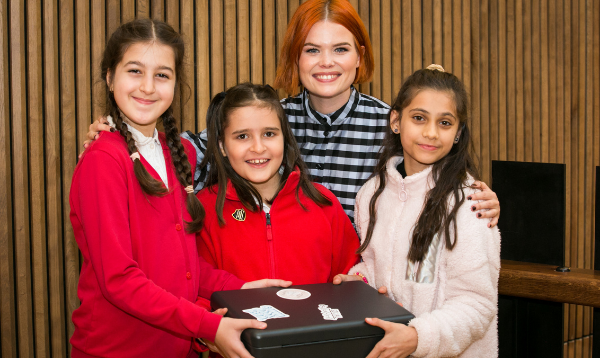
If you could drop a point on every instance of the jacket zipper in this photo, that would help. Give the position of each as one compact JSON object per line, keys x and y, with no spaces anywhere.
{"x":403,"y":195}
{"x":270,"y":247}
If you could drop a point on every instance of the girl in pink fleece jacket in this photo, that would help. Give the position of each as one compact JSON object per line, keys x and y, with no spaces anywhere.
{"x":420,"y":241}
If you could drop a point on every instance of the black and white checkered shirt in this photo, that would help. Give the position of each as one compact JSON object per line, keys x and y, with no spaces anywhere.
{"x":340,"y":148}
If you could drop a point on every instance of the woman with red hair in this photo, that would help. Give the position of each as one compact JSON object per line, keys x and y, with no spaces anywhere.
{"x":339,"y":130}
{"x":326,"y":50}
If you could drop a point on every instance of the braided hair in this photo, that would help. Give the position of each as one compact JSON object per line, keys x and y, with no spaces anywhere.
{"x":151,"y":31}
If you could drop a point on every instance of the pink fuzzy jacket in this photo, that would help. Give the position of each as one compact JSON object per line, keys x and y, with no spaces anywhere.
{"x":456,"y":313}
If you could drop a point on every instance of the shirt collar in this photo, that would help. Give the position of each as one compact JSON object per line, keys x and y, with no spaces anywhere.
{"x":142,"y":140}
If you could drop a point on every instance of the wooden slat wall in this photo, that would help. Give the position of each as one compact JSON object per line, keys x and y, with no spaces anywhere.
{"x":532,"y":69}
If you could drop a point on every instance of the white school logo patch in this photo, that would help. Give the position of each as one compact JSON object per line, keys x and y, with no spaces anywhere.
{"x":330,"y":314}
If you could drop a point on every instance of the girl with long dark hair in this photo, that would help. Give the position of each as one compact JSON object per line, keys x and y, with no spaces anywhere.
{"x":419,"y":236}
{"x":141,"y":274}
{"x":264,"y":217}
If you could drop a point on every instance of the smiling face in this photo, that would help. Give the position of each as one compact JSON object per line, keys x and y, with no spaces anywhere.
{"x":427,"y":127}
{"x":143,"y":84}
{"x":253,"y":142}
{"x":328,"y":64}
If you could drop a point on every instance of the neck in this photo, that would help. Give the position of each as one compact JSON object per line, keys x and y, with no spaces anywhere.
{"x":268,"y":189}
{"x":326,"y":105}
{"x":146,"y":129}
{"x":411,"y":166}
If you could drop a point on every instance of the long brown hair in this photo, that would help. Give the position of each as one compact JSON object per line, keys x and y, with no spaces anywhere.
{"x":449,"y":173}
{"x":217,"y":120}
{"x":148,"y":31}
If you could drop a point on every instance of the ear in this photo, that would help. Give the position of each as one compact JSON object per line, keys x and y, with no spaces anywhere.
{"x":109,"y":80}
{"x":222,"y":149}
{"x":459,"y":132}
{"x":361,"y":52}
{"x":395,"y":121}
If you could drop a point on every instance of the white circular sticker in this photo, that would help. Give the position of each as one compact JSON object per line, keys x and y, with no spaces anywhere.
{"x":293,"y":294}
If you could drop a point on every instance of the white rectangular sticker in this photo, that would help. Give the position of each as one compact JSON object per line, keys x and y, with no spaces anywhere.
{"x":265,"y":312}
{"x":330,"y":314}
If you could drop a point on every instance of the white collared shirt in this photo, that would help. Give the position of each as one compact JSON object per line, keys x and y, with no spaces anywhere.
{"x":151,"y":150}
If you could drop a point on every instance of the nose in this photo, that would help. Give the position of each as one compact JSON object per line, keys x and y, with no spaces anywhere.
{"x":147,"y":85}
{"x":258,"y":145}
{"x":326,"y":59}
{"x":430,"y":130}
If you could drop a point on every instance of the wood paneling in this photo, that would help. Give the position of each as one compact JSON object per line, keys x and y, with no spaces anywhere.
{"x":37,"y":188}
{"x":532,"y":69}
{"x":54,"y":227}
{"x":8,"y":334}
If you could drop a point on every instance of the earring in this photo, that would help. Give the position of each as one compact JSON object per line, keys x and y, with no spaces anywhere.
{"x":396,"y":130}
{"x":455,"y":140}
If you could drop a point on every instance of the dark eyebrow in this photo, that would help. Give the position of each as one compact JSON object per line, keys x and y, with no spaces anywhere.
{"x":241,"y":131}
{"x":335,"y":45}
{"x":424,"y":111}
{"x":138,"y":63}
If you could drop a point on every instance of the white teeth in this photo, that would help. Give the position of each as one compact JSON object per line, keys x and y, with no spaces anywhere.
{"x":326,"y":77}
{"x":258,"y":161}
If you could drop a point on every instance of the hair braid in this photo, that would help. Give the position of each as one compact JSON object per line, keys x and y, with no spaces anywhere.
{"x":149,"y":31}
{"x":147,"y":182}
{"x":184,"y":171}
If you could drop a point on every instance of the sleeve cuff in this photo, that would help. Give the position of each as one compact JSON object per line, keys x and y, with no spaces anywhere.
{"x":233,"y":283}
{"x":199,"y":347}
{"x":420,"y":326}
{"x":209,"y":326}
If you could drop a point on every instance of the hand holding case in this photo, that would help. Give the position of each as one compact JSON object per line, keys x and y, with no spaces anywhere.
{"x":306,"y":332}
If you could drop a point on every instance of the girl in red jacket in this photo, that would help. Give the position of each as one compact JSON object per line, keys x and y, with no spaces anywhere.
{"x":264,"y":217}
{"x":141,"y":274}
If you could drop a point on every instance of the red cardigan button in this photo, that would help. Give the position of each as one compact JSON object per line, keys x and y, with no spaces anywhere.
{"x":188,"y":275}
{"x":178,"y":227}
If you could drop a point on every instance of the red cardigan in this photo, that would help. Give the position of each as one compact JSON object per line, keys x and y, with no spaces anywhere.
{"x":141,"y":273}
{"x":301,"y":246}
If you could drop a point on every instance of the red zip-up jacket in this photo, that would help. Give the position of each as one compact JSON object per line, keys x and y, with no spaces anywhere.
{"x":141,"y":273}
{"x":290,"y":243}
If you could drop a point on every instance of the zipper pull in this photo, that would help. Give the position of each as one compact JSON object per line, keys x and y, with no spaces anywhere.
{"x":403,"y":195}
{"x":269,"y":232}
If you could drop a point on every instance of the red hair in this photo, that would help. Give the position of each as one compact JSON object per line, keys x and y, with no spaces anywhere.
{"x":308,"y":14}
